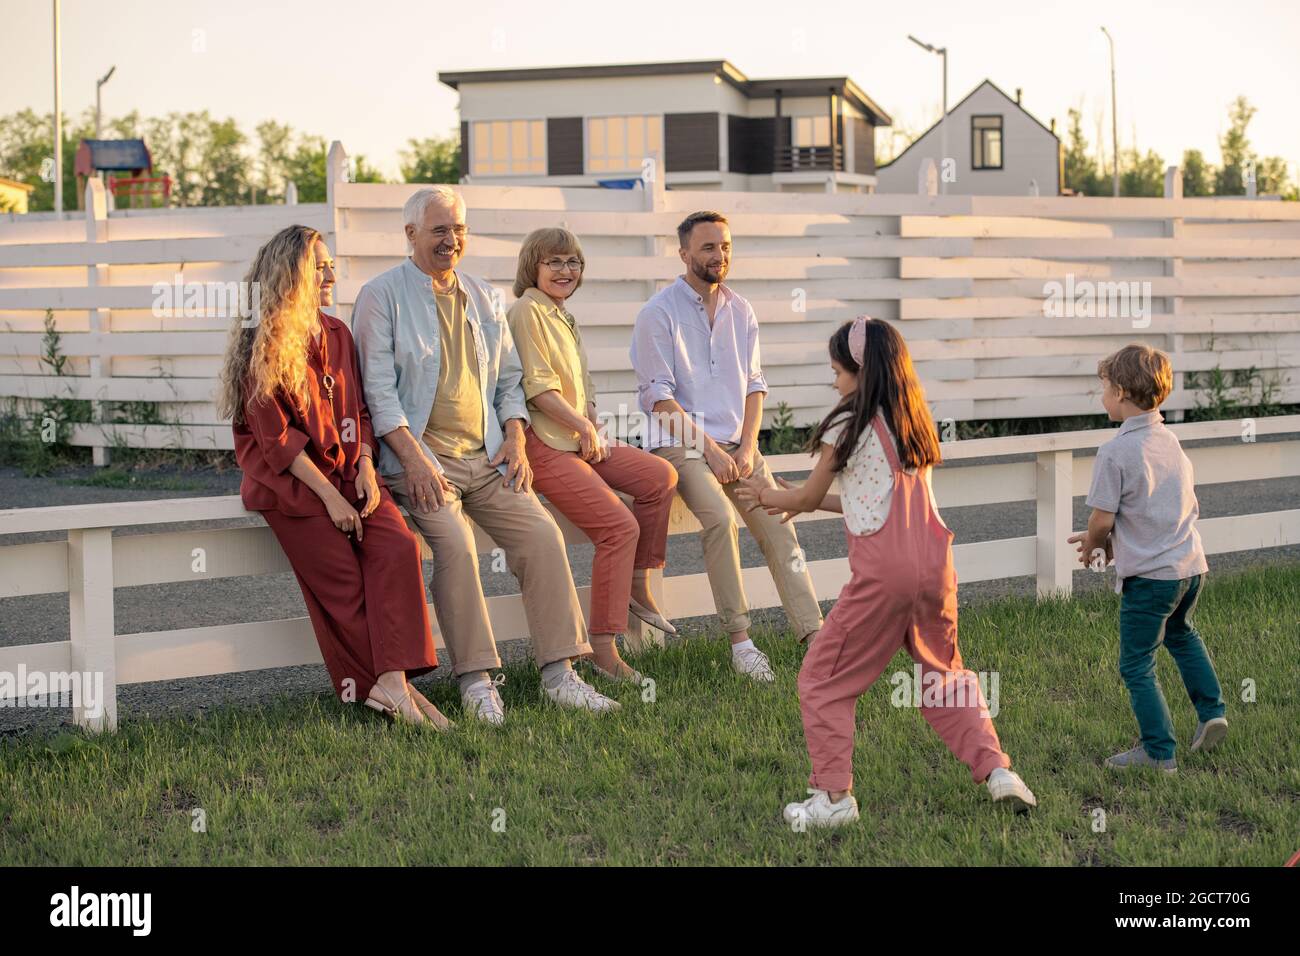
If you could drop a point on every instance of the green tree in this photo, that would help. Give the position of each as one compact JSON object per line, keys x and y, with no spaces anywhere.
{"x":1141,"y":175}
{"x":363,"y":172}
{"x":206,"y":158}
{"x":1234,"y":147}
{"x":305,"y":168}
{"x":275,"y":143}
{"x":1198,"y":176}
{"x":226,"y":168}
{"x":1272,"y":176}
{"x":433,"y":160}
{"x":27,"y":150}
{"x":1080,"y":168}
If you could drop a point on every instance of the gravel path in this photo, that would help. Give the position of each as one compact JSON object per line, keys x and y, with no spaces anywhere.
{"x":43,"y":618}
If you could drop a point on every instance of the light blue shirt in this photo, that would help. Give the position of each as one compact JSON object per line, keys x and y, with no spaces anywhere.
{"x":1143,"y":477}
{"x":709,"y":371}
{"x":399,"y":344}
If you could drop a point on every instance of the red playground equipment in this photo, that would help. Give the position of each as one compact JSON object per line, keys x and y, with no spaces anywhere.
{"x":136,"y":189}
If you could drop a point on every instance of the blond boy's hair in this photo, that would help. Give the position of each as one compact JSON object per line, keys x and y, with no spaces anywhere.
{"x":1145,"y":374}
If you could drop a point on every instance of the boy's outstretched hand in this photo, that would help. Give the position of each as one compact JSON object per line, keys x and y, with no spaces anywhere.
{"x":1089,"y":559}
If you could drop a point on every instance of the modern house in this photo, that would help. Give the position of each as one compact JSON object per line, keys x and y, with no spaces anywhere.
{"x":714,"y":127}
{"x":995,"y":148}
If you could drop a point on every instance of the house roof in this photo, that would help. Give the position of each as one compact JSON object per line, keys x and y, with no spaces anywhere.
{"x":754,"y":89}
{"x":15,"y":184}
{"x":112,"y":154}
{"x":997,"y":89}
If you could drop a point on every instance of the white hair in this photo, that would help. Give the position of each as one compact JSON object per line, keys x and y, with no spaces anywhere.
{"x":420,"y":200}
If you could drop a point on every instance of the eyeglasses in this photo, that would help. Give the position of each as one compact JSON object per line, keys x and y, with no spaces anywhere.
{"x":557,"y":265}
{"x":442,"y":232}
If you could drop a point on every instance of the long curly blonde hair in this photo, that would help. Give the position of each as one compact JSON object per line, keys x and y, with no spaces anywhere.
{"x":270,"y":352}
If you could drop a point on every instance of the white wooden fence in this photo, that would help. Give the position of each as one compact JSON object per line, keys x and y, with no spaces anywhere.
{"x":92,"y":562}
{"x":965,"y":278}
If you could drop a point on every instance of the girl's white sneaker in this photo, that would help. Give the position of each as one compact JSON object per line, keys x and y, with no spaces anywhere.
{"x":1007,"y":787}
{"x":818,"y":811}
{"x":754,"y":664}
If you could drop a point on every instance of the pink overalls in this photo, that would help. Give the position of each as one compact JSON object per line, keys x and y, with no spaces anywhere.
{"x":903,"y":590}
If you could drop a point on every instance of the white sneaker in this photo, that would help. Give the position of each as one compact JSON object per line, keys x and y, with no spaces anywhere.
{"x":818,"y":811}
{"x":1209,"y":734}
{"x":481,"y":700}
{"x":753,"y":663}
{"x":576,"y":694}
{"x":1007,"y":787}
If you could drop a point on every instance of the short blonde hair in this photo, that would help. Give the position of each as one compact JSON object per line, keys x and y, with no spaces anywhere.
{"x":538,"y":245}
{"x":1144,"y":373}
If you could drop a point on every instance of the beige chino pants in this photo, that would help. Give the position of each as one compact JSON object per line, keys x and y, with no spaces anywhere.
{"x":716,"y":507}
{"x":535,"y":555}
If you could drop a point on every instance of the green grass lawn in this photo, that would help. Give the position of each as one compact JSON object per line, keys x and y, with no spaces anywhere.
{"x":699,"y":775}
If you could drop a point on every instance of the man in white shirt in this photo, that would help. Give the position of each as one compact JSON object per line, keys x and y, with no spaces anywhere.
{"x":699,"y":378}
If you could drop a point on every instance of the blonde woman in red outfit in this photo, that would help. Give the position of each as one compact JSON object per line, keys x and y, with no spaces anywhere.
{"x":292,"y":388}
{"x":575,"y":467}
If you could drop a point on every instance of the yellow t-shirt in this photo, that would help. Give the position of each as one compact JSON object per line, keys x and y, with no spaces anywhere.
{"x":552,"y":355}
{"x":455,"y":425}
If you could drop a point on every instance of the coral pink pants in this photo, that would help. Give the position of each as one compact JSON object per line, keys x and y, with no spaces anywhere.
{"x":903,"y":592}
{"x":625,"y":540}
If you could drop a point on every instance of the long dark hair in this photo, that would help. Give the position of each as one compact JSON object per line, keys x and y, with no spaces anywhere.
{"x":887,"y":382}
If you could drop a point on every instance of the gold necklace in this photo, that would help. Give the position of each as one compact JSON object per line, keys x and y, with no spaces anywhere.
{"x":327,"y":380}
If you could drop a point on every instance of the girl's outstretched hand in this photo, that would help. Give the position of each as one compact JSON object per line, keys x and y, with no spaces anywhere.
{"x":748,"y":490}
{"x":786,"y":515}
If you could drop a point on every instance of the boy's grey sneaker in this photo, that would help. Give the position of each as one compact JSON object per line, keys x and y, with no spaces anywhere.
{"x":1138,"y":757}
{"x":1209,"y":734}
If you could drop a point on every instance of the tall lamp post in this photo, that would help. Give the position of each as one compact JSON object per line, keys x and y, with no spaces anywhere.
{"x":943,"y":120}
{"x":58,"y":116}
{"x":99,"y":83}
{"x":1114,"y":116}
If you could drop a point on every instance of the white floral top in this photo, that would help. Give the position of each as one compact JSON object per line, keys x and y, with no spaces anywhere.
{"x":867,"y":481}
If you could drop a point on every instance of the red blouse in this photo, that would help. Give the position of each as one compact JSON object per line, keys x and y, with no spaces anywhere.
{"x":332,"y":433}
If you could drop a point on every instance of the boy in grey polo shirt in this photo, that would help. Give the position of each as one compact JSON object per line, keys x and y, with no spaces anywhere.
{"x":1144,"y":512}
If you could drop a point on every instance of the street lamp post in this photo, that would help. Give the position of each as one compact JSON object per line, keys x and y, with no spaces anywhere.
{"x":1114,"y":117}
{"x":99,"y":83}
{"x":58,"y":116}
{"x":943,"y":120}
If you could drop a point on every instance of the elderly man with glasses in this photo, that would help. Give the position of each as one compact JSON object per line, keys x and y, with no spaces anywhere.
{"x":444,"y":385}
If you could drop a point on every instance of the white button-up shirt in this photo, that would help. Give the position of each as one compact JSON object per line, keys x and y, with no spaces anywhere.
{"x":709,"y":371}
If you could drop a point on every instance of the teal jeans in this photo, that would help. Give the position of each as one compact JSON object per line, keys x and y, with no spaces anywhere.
{"x":1152,"y":612}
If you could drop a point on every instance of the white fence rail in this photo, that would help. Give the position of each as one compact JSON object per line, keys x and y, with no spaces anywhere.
{"x":92,"y":562}
{"x":965,"y":278}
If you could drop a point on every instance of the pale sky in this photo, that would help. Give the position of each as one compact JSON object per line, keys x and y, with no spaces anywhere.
{"x":365,"y":72}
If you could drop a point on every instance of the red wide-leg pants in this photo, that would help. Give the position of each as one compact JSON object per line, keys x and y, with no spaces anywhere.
{"x":365,"y":599}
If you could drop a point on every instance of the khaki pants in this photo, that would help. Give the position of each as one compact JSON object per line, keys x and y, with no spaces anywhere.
{"x":535,"y":555}
{"x":715,"y":506}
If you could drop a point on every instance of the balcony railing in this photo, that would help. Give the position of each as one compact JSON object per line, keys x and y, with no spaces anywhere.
{"x":799,"y":159}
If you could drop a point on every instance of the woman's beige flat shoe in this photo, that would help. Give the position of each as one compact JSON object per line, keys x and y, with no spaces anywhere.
{"x":392,"y":709}
{"x":650,"y":617}
{"x":440,"y":721}
{"x":627,"y":675}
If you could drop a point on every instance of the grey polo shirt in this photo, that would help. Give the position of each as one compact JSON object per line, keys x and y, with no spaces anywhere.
{"x":1144,"y":478}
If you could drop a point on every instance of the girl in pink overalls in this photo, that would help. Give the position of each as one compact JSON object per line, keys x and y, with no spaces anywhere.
{"x":881,"y":442}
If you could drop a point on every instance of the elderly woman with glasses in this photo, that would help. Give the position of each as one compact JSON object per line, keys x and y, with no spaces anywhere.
{"x":576,"y":467}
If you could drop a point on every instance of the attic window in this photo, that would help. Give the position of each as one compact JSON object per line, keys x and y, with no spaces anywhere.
{"x":986,"y":142}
